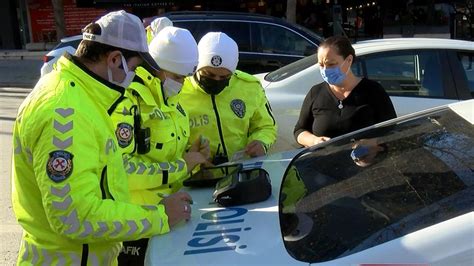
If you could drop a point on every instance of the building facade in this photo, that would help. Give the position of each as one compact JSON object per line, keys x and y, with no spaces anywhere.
{"x":33,"y":21}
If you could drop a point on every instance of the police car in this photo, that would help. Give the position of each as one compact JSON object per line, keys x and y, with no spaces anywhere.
{"x":400,"y":192}
{"x":417,"y":73}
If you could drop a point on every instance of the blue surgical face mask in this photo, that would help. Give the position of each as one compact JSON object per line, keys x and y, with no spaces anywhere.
{"x":333,"y":75}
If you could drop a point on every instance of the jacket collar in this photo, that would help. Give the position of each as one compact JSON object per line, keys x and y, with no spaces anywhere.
{"x":104,"y":93}
{"x":143,"y":85}
{"x":149,"y":89}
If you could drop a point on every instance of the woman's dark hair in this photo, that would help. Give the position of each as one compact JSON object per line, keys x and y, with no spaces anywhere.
{"x":342,"y":44}
{"x":94,"y":51}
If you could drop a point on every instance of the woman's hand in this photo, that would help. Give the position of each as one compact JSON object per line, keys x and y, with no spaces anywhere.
{"x":365,"y":151}
{"x":317,"y":140}
{"x":308,"y":139}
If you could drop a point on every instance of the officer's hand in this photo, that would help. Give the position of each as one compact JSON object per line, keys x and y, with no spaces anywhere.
{"x":205,"y":149}
{"x":194,"y":158}
{"x":201,"y":144}
{"x":177,"y":207}
{"x":195,"y":146}
{"x":255,"y":148}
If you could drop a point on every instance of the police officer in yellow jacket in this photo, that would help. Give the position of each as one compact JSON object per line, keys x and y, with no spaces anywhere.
{"x":156,"y":26}
{"x":152,"y":128}
{"x":227,"y":106}
{"x":70,"y":191}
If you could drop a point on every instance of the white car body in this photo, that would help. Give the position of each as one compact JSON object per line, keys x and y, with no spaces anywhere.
{"x":286,"y":95}
{"x":251,"y":235}
{"x":53,"y":55}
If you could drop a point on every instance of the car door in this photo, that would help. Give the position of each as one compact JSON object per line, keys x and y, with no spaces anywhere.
{"x":414,"y":79}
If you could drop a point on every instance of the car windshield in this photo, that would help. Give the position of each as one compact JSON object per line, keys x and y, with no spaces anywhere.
{"x":377,"y":185}
{"x":291,"y":69}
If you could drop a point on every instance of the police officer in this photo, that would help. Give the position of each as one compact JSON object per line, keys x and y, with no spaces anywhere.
{"x":227,"y":106}
{"x":156,"y":26}
{"x":152,"y":128}
{"x":70,"y":190}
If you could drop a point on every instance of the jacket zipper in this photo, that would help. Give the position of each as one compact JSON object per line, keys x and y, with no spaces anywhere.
{"x":219,"y":127}
{"x":103,"y":184}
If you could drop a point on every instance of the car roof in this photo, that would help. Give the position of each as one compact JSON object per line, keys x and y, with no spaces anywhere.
{"x":380,"y":45}
{"x":72,"y":38}
{"x":219,"y":15}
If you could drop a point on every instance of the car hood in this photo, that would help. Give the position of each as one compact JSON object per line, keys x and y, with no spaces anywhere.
{"x":216,"y":236}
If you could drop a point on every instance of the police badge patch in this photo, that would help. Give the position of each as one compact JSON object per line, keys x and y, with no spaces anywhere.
{"x":59,"y":166}
{"x":216,"y":60}
{"x":124,"y":134}
{"x":238,"y":106}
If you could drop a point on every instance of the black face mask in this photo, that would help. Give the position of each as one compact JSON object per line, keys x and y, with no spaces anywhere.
{"x":212,"y":86}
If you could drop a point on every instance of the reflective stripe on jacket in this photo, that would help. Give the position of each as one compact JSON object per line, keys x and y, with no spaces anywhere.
{"x":233,"y":118}
{"x":162,"y":169}
{"x":70,"y":191}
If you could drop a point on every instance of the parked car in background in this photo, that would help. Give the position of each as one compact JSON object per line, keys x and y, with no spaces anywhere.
{"x":68,"y":44}
{"x":265,"y":43}
{"x":411,"y":203}
{"x":417,"y":73}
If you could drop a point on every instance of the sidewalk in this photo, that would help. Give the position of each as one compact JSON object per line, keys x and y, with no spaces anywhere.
{"x":22,"y":55}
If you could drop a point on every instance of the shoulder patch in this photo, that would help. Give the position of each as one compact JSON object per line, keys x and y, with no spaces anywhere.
{"x":246,"y":76}
{"x":238,"y":107}
{"x":59,"y":166}
{"x":124,"y":134}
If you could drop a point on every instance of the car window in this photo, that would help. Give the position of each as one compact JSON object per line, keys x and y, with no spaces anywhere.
{"x":274,"y":39}
{"x":291,"y":69}
{"x":415,"y":174}
{"x":467,"y":62}
{"x":238,"y":31}
{"x":406,"y":73}
{"x":197,"y":28}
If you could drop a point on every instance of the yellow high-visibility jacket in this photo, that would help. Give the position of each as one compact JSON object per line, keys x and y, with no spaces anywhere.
{"x":161,"y":170}
{"x":233,"y":118}
{"x":70,"y":191}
